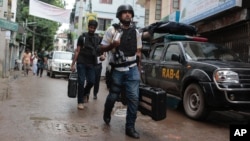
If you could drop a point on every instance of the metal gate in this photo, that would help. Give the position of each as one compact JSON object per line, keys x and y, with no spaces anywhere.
{"x":236,"y":37}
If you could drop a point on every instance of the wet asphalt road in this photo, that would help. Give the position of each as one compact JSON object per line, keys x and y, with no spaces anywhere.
{"x":38,"y":109}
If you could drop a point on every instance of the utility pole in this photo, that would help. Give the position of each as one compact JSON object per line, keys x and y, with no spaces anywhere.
{"x":90,"y":6}
{"x":24,"y":36}
{"x":33,"y":39}
{"x":6,"y":68}
{"x":25,"y":25}
{"x":80,"y":18}
{"x":6,"y":62}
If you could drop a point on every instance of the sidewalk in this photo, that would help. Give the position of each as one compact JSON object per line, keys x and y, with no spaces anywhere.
{"x":4,"y":84}
{"x":3,"y":88}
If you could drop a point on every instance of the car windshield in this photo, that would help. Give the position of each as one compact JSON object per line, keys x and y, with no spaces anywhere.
{"x":63,"y":55}
{"x":208,"y":51}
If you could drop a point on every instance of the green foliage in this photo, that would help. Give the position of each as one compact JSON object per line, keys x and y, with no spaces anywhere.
{"x":44,"y":29}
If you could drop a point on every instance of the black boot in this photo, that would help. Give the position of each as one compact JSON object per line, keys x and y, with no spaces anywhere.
{"x":132,"y":133}
{"x":106,"y":116}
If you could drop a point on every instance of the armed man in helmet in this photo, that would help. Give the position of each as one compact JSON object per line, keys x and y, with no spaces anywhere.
{"x":124,"y":42}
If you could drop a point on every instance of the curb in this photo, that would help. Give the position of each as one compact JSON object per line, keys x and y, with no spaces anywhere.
{"x":5,"y":84}
{"x":4,"y":88}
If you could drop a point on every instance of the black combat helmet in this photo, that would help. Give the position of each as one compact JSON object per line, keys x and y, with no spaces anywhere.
{"x":125,"y":7}
{"x":93,"y":23}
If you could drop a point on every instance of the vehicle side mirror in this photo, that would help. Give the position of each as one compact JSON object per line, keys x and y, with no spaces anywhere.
{"x":175,"y":57}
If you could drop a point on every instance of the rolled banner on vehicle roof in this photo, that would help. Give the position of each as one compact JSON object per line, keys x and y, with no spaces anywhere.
{"x":171,"y":28}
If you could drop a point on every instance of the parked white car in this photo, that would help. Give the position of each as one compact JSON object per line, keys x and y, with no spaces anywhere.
{"x":59,"y":63}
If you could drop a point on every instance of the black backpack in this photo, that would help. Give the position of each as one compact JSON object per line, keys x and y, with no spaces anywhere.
{"x":96,"y":39}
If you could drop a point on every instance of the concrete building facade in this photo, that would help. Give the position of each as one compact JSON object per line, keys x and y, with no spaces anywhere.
{"x":8,"y":45}
{"x":104,"y":12}
{"x":225,"y":22}
{"x":61,"y":42}
{"x":156,"y":10}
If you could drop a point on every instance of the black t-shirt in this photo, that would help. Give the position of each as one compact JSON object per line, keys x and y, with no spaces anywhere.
{"x":41,"y":56}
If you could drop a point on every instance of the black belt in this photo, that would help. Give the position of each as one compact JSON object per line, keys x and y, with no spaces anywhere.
{"x":125,"y":64}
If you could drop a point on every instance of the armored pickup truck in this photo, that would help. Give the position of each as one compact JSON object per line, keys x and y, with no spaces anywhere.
{"x":203,"y":76}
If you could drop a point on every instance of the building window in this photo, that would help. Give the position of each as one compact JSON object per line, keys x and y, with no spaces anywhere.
{"x":176,"y":4}
{"x":146,"y":22}
{"x":158,"y":9}
{"x":103,"y":24}
{"x":106,"y":1}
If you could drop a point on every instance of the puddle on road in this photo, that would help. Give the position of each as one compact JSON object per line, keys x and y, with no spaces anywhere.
{"x":59,"y":127}
{"x":120,"y":112}
{"x":4,"y":94}
{"x":39,"y":118}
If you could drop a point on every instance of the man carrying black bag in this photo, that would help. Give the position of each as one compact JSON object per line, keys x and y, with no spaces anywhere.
{"x":86,"y":59}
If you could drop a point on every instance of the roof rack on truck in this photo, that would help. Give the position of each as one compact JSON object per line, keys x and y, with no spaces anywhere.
{"x":159,"y":32}
{"x":163,"y":27}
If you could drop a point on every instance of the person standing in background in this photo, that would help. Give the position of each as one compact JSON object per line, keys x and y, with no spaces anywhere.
{"x":34,"y":64}
{"x":26,"y":61}
{"x":40,"y":63}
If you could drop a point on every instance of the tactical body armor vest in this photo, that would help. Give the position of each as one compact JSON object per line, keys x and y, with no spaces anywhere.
{"x":127,"y":48}
{"x":128,"y":42}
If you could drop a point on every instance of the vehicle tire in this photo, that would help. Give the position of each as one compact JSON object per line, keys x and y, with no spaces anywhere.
{"x":51,"y":74}
{"x":194,"y":102}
